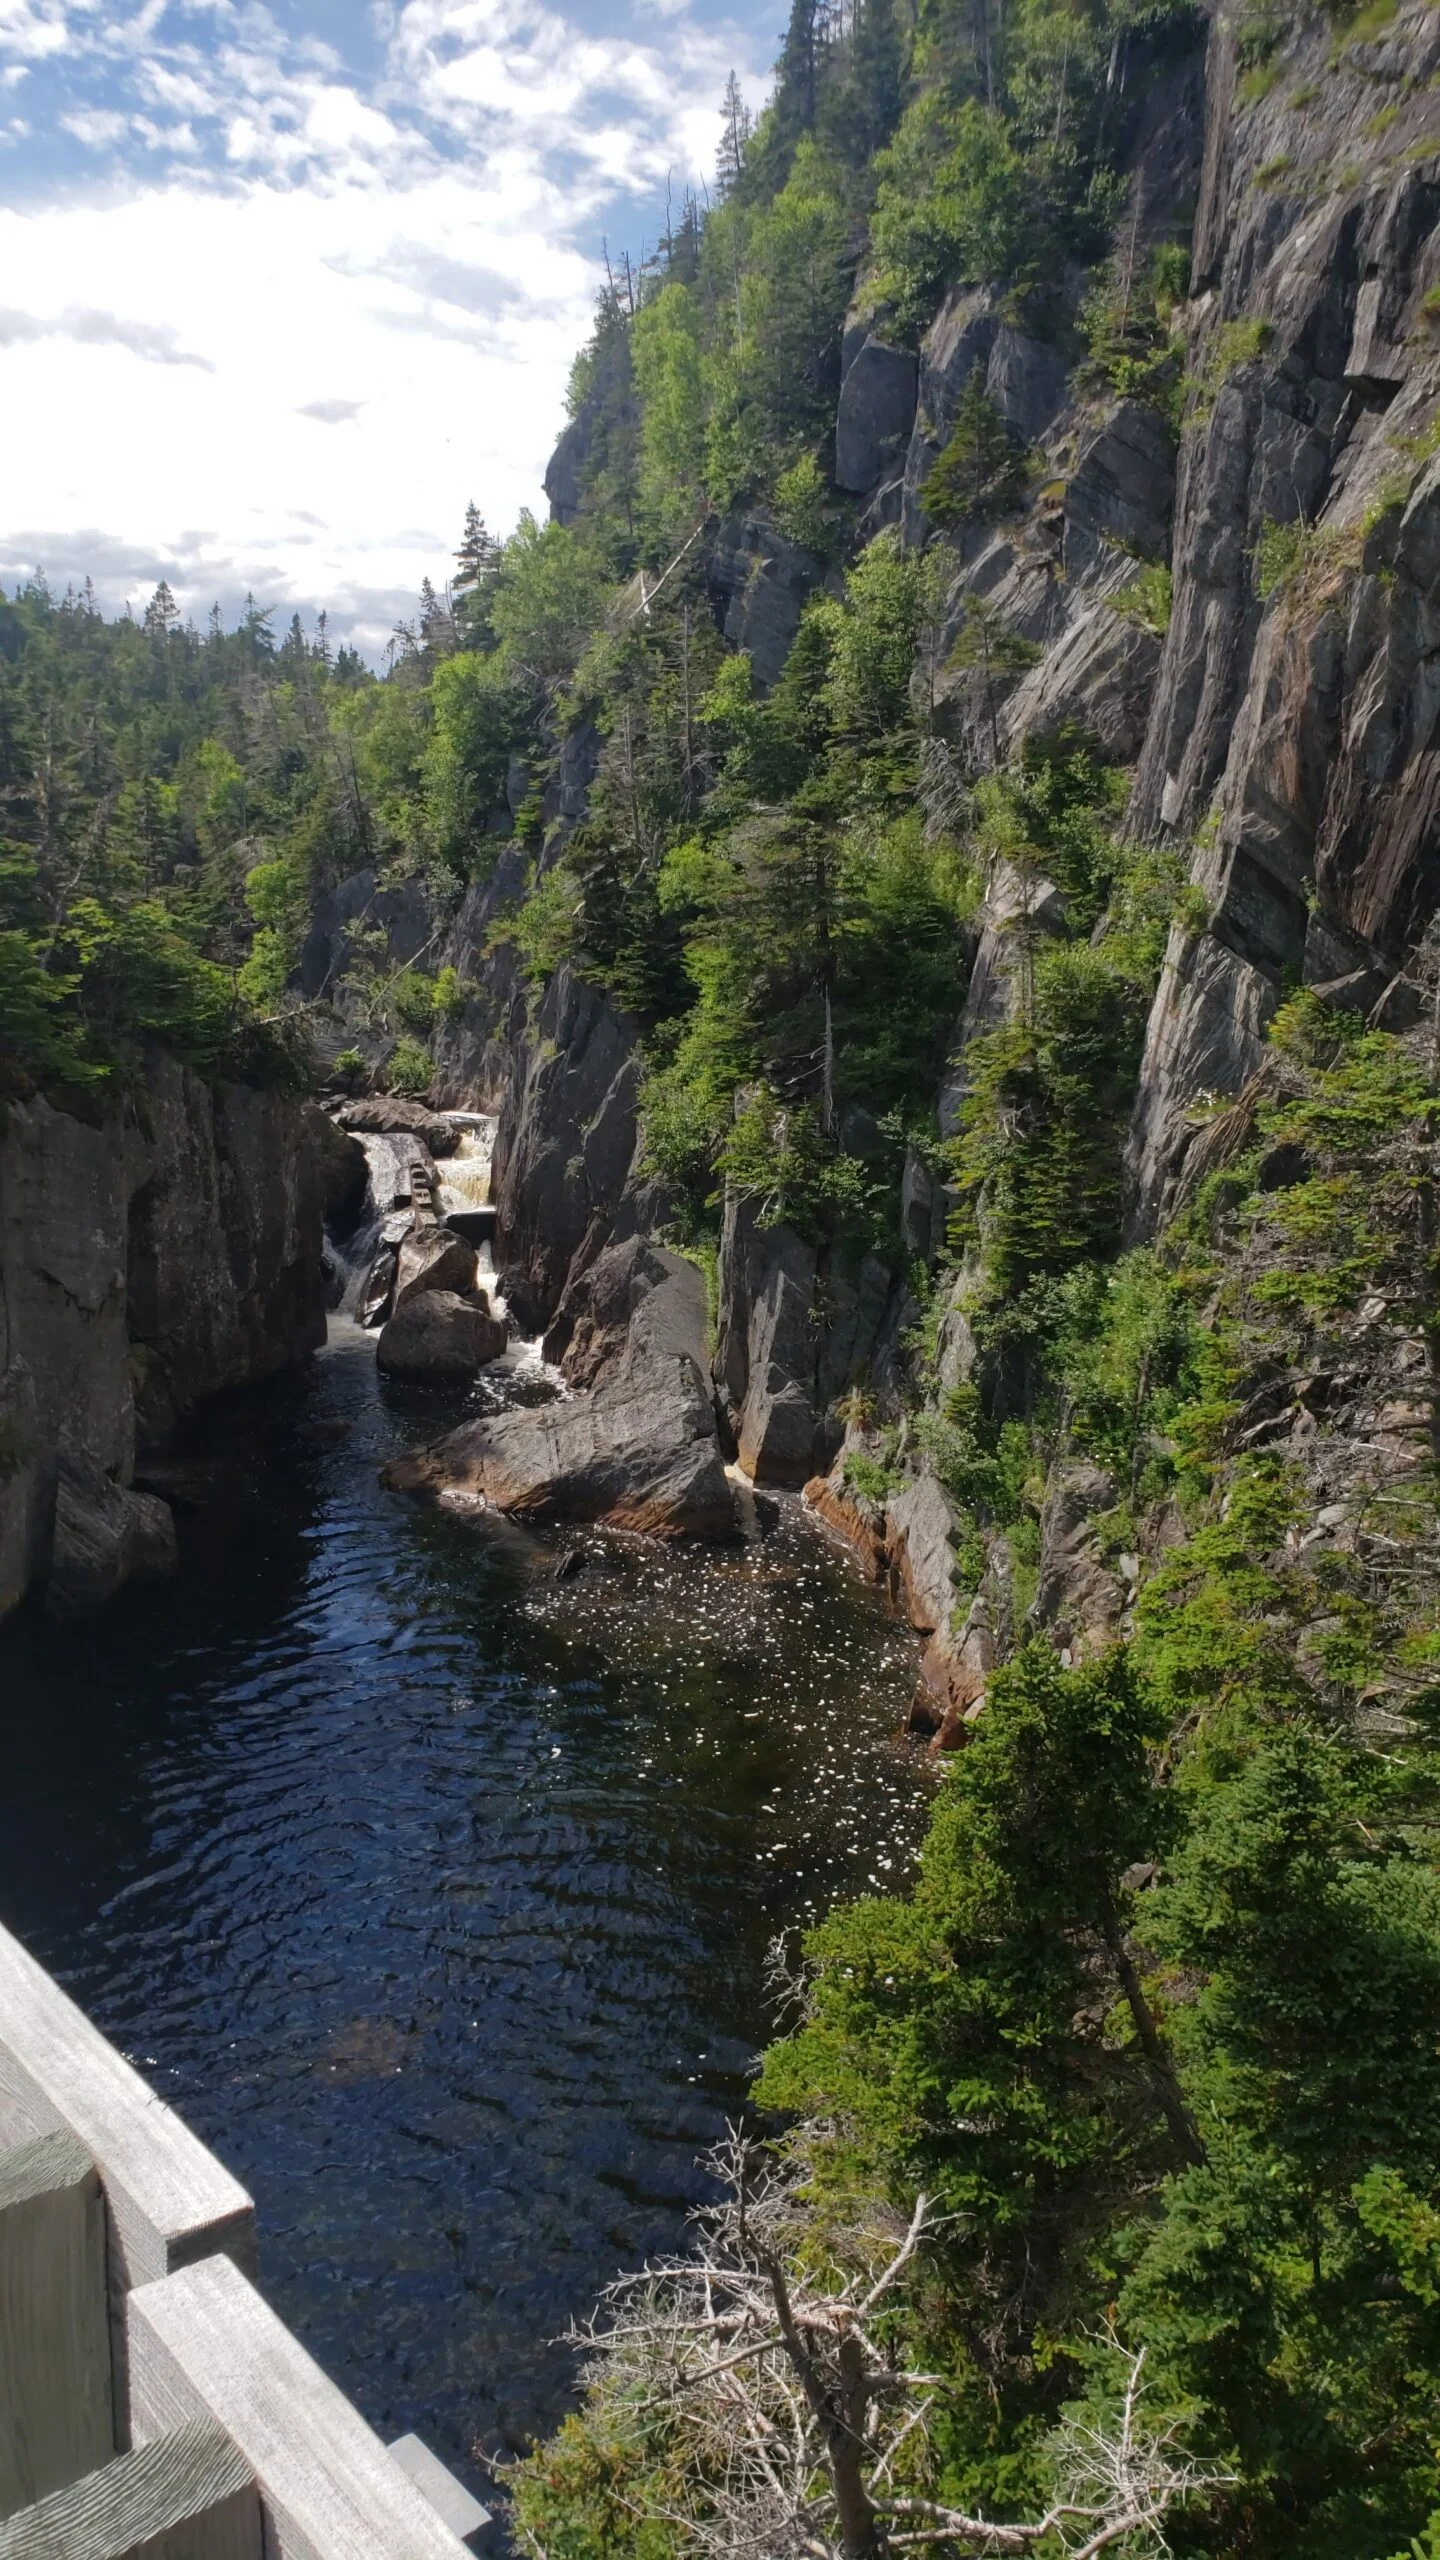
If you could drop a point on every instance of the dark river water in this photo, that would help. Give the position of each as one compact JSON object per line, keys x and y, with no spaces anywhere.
{"x":434,"y":1891}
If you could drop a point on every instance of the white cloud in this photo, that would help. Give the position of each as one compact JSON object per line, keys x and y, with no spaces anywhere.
{"x":409,"y":255}
{"x":33,"y":28}
{"x":96,"y":127}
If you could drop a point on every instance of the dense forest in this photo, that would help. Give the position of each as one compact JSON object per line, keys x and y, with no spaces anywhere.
{"x":1102,"y":2194}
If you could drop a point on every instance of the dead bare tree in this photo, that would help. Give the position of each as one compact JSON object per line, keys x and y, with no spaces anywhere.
{"x":796,"y":2430}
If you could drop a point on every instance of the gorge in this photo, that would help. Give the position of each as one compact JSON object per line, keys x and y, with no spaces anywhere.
{"x":863,"y":1010}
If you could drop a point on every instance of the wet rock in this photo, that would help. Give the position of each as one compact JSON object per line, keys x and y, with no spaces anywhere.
{"x":225,"y":1238}
{"x":875,"y":414}
{"x":105,"y":1535}
{"x":64,"y":1371}
{"x":858,"y":1524}
{"x":439,"y":1339}
{"x":386,"y":1114}
{"x":431,"y":1258}
{"x":640,"y":1454}
{"x":343,"y":1166}
{"x":169,"y":1251}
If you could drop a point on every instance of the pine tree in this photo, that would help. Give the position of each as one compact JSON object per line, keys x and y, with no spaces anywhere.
{"x":736,"y":126}
{"x":161,"y":613}
{"x":476,"y":563}
{"x":982,"y":470}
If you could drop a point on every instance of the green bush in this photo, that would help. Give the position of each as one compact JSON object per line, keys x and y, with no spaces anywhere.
{"x":409,"y":1068}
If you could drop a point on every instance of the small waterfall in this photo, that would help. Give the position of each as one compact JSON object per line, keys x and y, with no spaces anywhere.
{"x":462,"y":1195}
{"x":364,"y":1261}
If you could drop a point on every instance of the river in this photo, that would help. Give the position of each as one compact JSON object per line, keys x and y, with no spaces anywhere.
{"x":435,"y":1890}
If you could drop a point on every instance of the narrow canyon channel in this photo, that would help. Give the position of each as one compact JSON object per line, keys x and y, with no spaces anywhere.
{"x":434,"y":1887}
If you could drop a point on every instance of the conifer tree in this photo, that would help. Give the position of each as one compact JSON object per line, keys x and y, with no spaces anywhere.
{"x":736,"y":126}
{"x":476,"y":563}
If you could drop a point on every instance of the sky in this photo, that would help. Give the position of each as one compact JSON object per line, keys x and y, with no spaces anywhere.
{"x":284,"y":286}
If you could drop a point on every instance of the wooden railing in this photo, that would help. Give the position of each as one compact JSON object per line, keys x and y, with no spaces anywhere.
{"x":150,"y":2399}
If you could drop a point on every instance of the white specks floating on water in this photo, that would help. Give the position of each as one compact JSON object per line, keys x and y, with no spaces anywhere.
{"x":739,"y":1651}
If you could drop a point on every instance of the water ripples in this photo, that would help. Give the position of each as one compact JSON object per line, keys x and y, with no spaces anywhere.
{"x":435,"y":1891}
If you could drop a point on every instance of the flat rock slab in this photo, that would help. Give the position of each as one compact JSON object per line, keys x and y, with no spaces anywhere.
{"x":640,"y":1454}
{"x":381,"y":1115}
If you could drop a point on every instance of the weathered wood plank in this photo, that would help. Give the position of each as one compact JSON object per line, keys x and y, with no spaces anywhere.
{"x":57,"y":2416}
{"x":204,"y":2343}
{"x":170,"y":2201}
{"x":448,"y":2496}
{"x":188,"y":2496}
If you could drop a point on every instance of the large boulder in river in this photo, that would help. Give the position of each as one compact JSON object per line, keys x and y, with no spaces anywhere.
{"x":640,"y":1450}
{"x":438,"y":1339}
{"x":383,"y":1114}
{"x":105,"y":1536}
{"x":641,"y":1453}
{"x":431,"y":1258}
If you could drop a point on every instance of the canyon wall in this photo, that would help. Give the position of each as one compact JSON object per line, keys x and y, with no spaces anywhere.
{"x":149,"y":1258}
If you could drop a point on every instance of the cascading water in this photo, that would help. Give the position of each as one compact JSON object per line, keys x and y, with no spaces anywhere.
{"x":362,"y":1261}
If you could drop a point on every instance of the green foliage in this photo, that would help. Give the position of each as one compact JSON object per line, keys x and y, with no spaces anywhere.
{"x":666,"y":352}
{"x":479,"y":718}
{"x":870,"y":1478}
{"x":1148,"y":598}
{"x":543,"y":929}
{"x":981,"y":471}
{"x":548,"y":598}
{"x":955,"y":205}
{"x":1128,"y":323}
{"x":802,"y":506}
{"x":409,"y":1068}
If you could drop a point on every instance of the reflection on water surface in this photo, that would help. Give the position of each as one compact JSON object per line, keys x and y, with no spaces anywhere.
{"x":435,"y":1891}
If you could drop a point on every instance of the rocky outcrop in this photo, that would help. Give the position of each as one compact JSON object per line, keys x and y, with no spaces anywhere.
{"x":224,"y":1244}
{"x":758,"y":582}
{"x":1294,"y":740}
{"x":635,"y":1300}
{"x":765,"y":1356}
{"x":431,"y":1258}
{"x":1077,"y":1597}
{"x":875,"y":413}
{"x":641,"y":1454}
{"x":958,"y":339}
{"x":639,"y":1451}
{"x":148,"y":1260}
{"x":566,"y":1144}
{"x":343,"y":1169}
{"x":437,"y":1339}
{"x":908,"y":1542}
{"x":389,"y":1114}
{"x":105,"y":1535}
